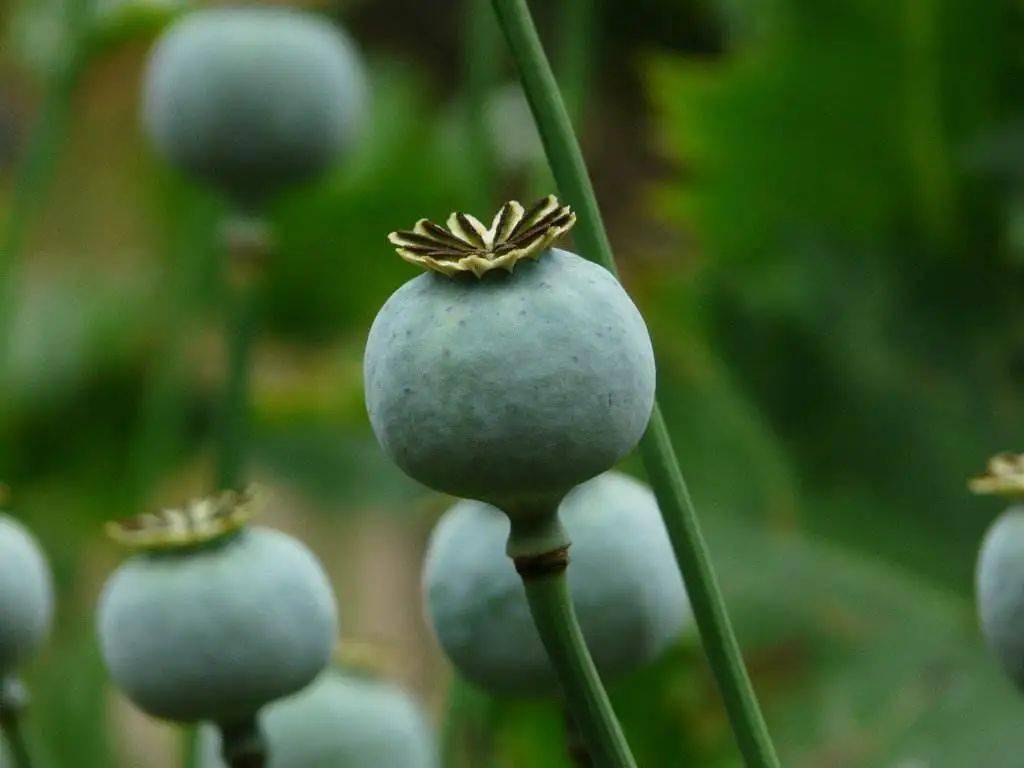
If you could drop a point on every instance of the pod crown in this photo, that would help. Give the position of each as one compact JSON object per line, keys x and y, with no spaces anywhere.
{"x":1004,"y":476}
{"x":197,"y":522}
{"x":466,"y":245}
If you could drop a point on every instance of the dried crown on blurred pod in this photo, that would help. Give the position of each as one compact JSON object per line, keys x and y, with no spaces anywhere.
{"x":211,"y":618}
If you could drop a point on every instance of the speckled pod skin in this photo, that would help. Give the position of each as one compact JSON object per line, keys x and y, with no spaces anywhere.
{"x":252,"y":100}
{"x":216,"y":632}
{"x":626,"y":589}
{"x":511,"y":388}
{"x":340,"y":722}
{"x":1000,"y":585}
{"x":26,"y":595}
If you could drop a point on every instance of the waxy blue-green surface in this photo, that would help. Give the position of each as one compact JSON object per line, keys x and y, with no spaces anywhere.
{"x":26,"y":595}
{"x":214,"y":633}
{"x":512,"y":388}
{"x":253,"y":99}
{"x":625,"y":587}
{"x":1000,"y":585}
{"x":340,"y":721}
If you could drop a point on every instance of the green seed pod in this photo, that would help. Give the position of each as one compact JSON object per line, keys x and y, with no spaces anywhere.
{"x":26,"y":595}
{"x":340,"y":721}
{"x":1000,"y":585}
{"x":214,"y":620}
{"x":253,"y":99}
{"x":507,"y":386}
{"x":626,"y":589}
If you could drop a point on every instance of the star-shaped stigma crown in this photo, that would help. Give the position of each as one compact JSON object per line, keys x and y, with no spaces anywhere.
{"x":1004,"y":476}
{"x":466,"y":245}
{"x":198,"y":522}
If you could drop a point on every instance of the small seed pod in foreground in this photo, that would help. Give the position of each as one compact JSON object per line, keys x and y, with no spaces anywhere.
{"x":213,"y":619}
{"x":1000,"y":569}
{"x":511,"y":371}
{"x":1000,"y":585}
{"x":626,"y":589}
{"x":252,"y":100}
{"x":26,"y":596}
{"x":341,"y":721}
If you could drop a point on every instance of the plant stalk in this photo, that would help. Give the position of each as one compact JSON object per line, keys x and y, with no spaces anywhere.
{"x":666,"y":478}
{"x":243,"y":745}
{"x":482,"y":72}
{"x":246,"y":243}
{"x":12,"y":703}
{"x":547,"y":591}
{"x":575,"y":747}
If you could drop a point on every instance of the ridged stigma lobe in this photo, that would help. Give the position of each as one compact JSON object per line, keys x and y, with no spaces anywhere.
{"x":197,"y":522}
{"x":1004,"y":476}
{"x":466,"y":245}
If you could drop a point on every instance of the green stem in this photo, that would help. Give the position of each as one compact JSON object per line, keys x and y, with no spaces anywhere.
{"x":190,"y":746}
{"x":575,"y":747}
{"x":694,"y":560}
{"x":243,"y":745}
{"x":468,"y":729}
{"x":551,"y":607}
{"x":574,"y":62}
{"x":32,"y":176}
{"x":555,"y":127}
{"x":246,"y":244}
{"x":482,"y":73}
{"x":663,"y":470}
{"x":12,"y":703}
{"x":235,"y":406}
{"x":20,"y":757}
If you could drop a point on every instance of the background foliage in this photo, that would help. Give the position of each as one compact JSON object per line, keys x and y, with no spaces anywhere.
{"x":818,"y":205}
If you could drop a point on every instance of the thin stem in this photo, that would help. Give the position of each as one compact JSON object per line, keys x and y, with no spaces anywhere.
{"x":551,"y":607}
{"x":243,"y":745}
{"x":575,"y":747}
{"x":20,"y":757}
{"x":468,"y":730}
{"x":482,"y":73}
{"x":190,"y":746}
{"x":246,"y":243}
{"x":12,"y":703}
{"x":555,"y":127}
{"x":663,"y":470}
{"x":235,"y":406}
{"x":709,"y":609}
{"x":575,"y":57}
{"x":33,"y":174}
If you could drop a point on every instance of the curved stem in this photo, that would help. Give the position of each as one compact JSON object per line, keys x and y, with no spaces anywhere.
{"x":663,"y":470}
{"x":551,"y":607}
{"x":12,"y":703}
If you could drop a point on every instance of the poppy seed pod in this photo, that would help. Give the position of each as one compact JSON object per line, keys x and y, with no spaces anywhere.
{"x":511,"y":371}
{"x":1000,"y":586}
{"x":252,"y":100}
{"x":26,"y":595}
{"x":340,"y":721}
{"x":625,"y":587}
{"x":214,"y":620}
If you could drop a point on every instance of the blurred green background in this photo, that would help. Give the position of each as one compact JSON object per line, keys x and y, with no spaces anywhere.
{"x":817,"y":204}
